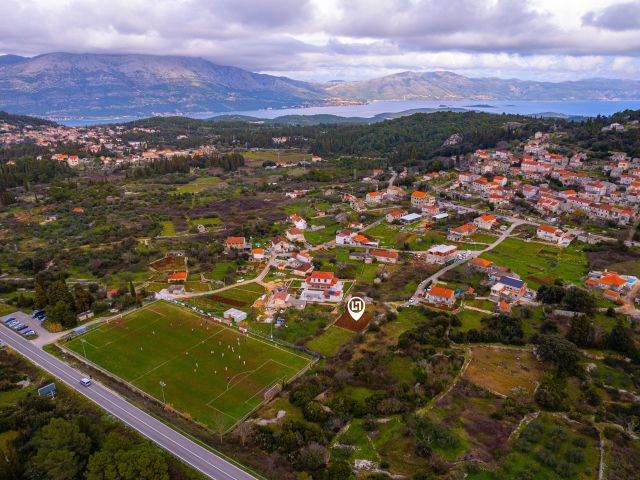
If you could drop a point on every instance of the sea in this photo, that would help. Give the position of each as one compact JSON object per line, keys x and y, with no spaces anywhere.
{"x":584,"y":108}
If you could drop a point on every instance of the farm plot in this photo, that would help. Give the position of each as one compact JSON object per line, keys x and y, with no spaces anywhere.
{"x":504,"y":371}
{"x":540,"y":264}
{"x":213,"y":373}
{"x":330,"y":341}
{"x":241,"y":297}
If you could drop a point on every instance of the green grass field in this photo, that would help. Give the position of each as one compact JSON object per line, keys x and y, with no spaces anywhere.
{"x":330,"y":341}
{"x":540,"y":264}
{"x":168,"y":229}
{"x":214,"y":373}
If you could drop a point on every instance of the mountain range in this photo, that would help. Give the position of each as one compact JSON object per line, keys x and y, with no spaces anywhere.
{"x":65,"y":85}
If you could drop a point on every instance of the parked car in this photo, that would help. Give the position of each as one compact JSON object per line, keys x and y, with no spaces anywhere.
{"x":28,"y":332}
{"x":9,"y":320}
{"x":13,"y":323}
{"x":21,"y":327}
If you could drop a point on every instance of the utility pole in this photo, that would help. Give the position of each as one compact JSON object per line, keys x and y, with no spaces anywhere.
{"x":162,"y":385}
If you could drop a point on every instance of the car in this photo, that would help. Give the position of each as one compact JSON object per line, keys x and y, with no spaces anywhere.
{"x":8,"y":320}
{"x":411,"y":300}
{"x":20,"y":327}
{"x":29,"y":332}
{"x":13,"y":323}
{"x":85,"y":382}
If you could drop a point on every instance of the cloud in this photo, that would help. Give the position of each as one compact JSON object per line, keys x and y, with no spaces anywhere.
{"x":324,"y":39}
{"x":618,"y":17}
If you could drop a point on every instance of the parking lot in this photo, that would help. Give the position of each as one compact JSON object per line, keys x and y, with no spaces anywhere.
{"x":32,"y":323}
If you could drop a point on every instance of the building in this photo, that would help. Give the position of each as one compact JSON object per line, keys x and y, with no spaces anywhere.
{"x":460,"y":233}
{"x":235,"y":315}
{"x":394,"y":215}
{"x":177,"y":277}
{"x":486,"y":222}
{"x":440,"y":296}
{"x":441,"y":254}
{"x":344,"y":237}
{"x":480,"y":264}
{"x":322,"y":287}
{"x":508,"y":288}
{"x":553,"y":235}
{"x":384,"y":256}
{"x":236,"y":243}
{"x":258,"y":254}
{"x":280,"y":244}
{"x":374,"y":198}
{"x":418,"y":199}
{"x":295,"y":234}
{"x":298,"y":221}
{"x":279,"y":300}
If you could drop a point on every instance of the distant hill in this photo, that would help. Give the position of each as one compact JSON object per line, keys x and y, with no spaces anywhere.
{"x":451,"y":86}
{"x":22,"y":120}
{"x":98,"y":85}
{"x":75,"y":86}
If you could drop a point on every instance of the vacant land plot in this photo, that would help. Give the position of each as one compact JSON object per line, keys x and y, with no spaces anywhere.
{"x":504,"y":370}
{"x":200,"y":184}
{"x":168,"y":229}
{"x":348,"y":322}
{"x":241,"y":297}
{"x":169,"y":264}
{"x":540,"y":264}
{"x":330,"y":341}
{"x":256,"y":157}
{"x":212,"y":372}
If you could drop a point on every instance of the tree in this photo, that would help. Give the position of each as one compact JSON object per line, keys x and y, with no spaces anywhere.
{"x":581,"y":331}
{"x":132,"y":289}
{"x":125,"y":463}
{"x":58,"y":291}
{"x":61,"y":451}
{"x":579,"y":300}
{"x":621,"y":340}
{"x":62,"y":313}
{"x":41,"y":297}
{"x":83,"y":299}
{"x":558,"y":350}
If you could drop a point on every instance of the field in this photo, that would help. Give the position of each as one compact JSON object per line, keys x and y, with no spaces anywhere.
{"x":168,"y":228}
{"x":241,"y":297}
{"x":199,"y":185}
{"x":255,"y":158}
{"x":330,"y":341}
{"x":504,"y":371}
{"x":213,"y":373}
{"x":169,"y":264}
{"x":540,"y":264}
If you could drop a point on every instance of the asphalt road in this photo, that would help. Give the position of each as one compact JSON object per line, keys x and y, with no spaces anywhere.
{"x":185,"y":449}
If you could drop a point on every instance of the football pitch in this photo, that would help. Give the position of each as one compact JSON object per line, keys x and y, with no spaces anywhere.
{"x":213,"y":373}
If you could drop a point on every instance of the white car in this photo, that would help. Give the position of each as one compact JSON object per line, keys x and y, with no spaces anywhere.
{"x":85,"y":381}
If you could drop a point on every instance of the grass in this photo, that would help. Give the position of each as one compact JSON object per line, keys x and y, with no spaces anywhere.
{"x":504,"y":371}
{"x":470,"y":319}
{"x":255,"y":158}
{"x":540,"y":264}
{"x":554,"y":438}
{"x":168,"y":229}
{"x":7,"y":309}
{"x":330,"y":341}
{"x":204,"y":377}
{"x":199,"y":184}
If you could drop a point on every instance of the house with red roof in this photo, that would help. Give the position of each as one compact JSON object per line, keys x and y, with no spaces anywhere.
{"x":486,"y":222}
{"x":462,"y":232}
{"x":440,"y":296}
{"x":322,"y":287}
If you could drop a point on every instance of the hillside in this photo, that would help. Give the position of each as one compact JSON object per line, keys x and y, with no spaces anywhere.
{"x":81,"y":85}
{"x":450,"y":86}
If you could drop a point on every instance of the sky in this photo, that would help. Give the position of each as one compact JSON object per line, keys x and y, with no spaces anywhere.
{"x":322,"y":40}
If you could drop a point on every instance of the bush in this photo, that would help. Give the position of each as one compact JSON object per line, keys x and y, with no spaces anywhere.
{"x":574,"y":455}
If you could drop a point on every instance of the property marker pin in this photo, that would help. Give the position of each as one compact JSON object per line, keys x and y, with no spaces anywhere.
{"x":356,"y":307}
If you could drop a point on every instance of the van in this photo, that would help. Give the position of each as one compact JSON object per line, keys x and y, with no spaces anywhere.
{"x":85,"y":381}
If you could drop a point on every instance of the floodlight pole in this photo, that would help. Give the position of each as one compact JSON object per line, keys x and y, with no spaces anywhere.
{"x":84,"y":347}
{"x":162,"y":385}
